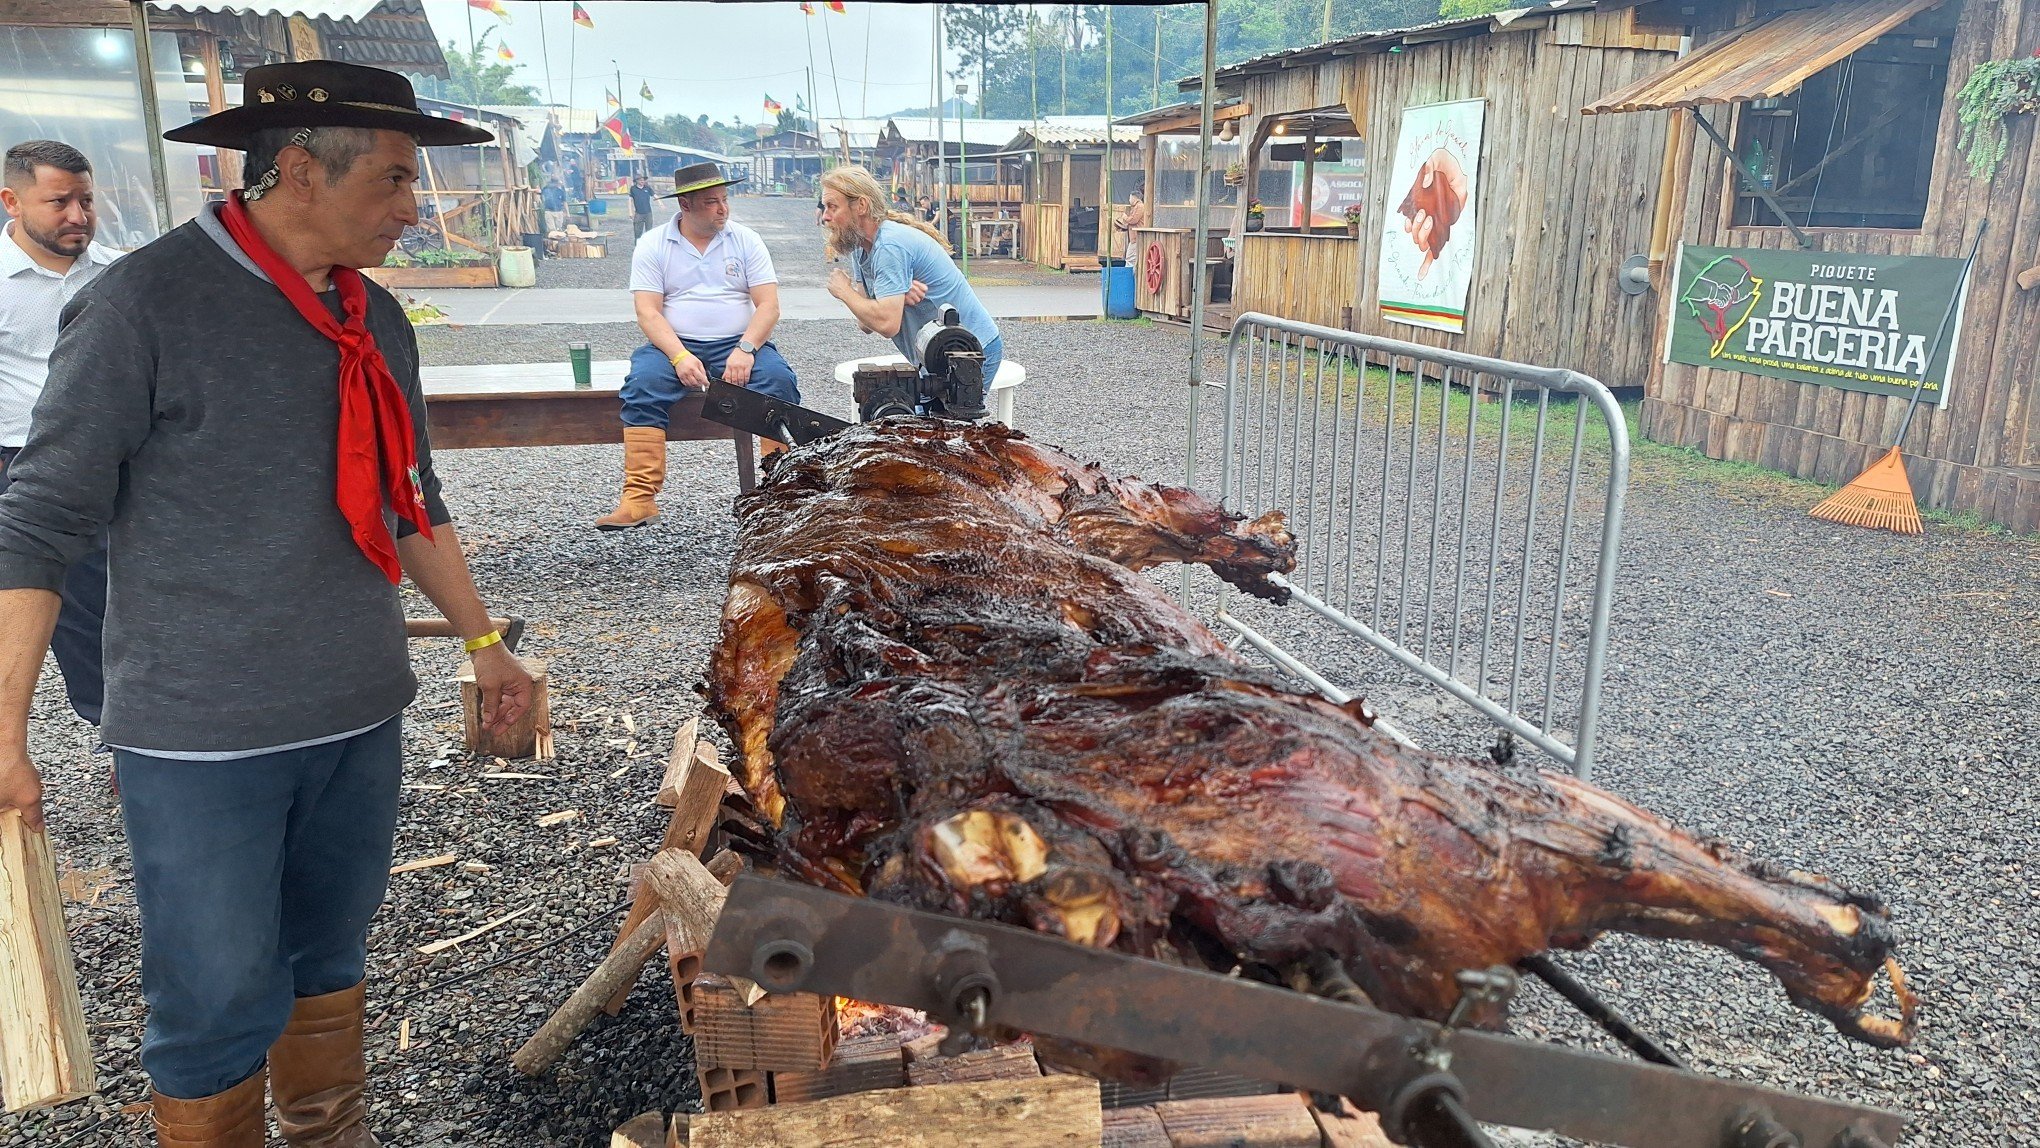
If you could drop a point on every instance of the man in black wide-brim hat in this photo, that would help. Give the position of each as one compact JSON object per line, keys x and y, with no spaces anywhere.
{"x":242,"y":412}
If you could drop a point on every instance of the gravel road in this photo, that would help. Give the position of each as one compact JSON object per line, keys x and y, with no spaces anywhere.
{"x":1842,"y":701}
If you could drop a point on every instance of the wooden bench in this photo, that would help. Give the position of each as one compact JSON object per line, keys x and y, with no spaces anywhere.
{"x":535,"y":404}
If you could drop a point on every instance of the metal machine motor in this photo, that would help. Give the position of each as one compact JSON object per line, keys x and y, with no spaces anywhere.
{"x":948,"y":382}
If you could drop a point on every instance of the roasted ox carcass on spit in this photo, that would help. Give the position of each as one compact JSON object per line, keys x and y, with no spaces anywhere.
{"x":949,"y":688}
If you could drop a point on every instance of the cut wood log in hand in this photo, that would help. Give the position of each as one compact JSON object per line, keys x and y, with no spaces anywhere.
{"x":45,"y":1056}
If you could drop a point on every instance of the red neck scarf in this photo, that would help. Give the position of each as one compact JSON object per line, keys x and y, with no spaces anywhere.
{"x":378,"y":453}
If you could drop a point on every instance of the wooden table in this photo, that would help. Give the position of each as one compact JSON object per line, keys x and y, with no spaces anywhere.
{"x":535,"y":404}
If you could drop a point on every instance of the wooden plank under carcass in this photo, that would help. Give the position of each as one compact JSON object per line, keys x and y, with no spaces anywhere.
{"x":1045,"y":1112}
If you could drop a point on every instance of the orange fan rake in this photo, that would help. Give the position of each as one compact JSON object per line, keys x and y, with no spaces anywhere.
{"x":1881,"y":497}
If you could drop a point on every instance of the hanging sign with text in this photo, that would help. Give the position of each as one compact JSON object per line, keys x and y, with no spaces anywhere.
{"x":1859,"y":322}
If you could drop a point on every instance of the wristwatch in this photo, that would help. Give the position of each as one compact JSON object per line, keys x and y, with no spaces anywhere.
{"x":747,"y":346}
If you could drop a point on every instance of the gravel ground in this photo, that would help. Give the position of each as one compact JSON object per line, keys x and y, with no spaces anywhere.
{"x":1843,"y":701}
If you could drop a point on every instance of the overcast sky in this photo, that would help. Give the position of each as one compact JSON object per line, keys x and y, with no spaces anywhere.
{"x":718,"y":59}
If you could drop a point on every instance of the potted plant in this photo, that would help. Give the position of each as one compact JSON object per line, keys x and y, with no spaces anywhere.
{"x":1353,"y":214}
{"x":1995,"y":90}
{"x":1256,"y":215}
{"x":1235,"y":174}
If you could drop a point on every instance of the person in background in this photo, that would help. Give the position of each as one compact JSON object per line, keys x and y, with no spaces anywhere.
{"x":1126,"y":222}
{"x":553,"y":201}
{"x":707,"y":298}
{"x":46,"y":256}
{"x":904,"y":276}
{"x":928,"y":208}
{"x":242,"y":411}
{"x":640,"y":205}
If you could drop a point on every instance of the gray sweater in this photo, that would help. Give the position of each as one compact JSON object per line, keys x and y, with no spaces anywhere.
{"x":193,"y":413}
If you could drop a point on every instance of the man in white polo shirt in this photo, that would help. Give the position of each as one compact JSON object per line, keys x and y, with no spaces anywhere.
{"x":707,"y":299}
{"x":47,"y":256}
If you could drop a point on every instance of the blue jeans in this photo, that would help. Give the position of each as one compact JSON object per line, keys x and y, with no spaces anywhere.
{"x":79,"y":624}
{"x":652,"y":387}
{"x":256,"y":880}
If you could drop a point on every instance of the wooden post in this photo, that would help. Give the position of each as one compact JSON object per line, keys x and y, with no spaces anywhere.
{"x":521,"y":739}
{"x":697,"y":781}
{"x":645,"y":1131}
{"x":45,"y":1056}
{"x":620,"y":966}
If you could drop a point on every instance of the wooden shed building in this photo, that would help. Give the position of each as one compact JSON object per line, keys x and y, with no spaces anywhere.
{"x":1845,"y":122}
{"x":1616,"y":136}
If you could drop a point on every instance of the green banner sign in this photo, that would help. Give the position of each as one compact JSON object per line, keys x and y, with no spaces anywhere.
{"x":1859,"y":322}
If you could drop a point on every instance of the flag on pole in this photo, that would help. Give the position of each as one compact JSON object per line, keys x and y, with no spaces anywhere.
{"x":614,"y":103}
{"x":806,"y":9}
{"x":492,"y":7}
{"x":837,"y":6}
{"x":645,"y":90}
{"x":773,"y":106}
{"x":503,"y":52}
{"x":619,"y":133}
{"x":581,"y":17}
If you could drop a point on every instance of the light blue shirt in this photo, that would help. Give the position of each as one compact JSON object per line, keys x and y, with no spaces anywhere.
{"x":902,"y":254}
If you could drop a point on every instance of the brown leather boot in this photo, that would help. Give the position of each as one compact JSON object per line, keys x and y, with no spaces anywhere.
{"x":232,"y":1119}
{"x":317,"y":1075}
{"x":644,"y":472}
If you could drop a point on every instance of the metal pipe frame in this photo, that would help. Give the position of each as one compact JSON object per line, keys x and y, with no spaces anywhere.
{"x":1276,"y":370}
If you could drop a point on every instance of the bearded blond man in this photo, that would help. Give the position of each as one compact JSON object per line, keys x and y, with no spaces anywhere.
{"x":902,"y":276}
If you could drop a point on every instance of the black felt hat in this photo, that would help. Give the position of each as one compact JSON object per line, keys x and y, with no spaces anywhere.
{"x":325,"y":94}
{"x":698,"y":177}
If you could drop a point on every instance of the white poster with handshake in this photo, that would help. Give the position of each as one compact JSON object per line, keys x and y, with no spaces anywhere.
{"x":1428,"y":238}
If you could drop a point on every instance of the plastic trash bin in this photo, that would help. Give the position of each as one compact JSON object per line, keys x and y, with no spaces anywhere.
{"x":1119,"y":292}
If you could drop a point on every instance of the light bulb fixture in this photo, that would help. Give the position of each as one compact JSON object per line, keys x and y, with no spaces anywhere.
{"x":107,"y":47}
{"x":1281,"y":129}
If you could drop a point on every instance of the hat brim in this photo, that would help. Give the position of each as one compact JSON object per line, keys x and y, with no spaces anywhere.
{"x":704,"y":185}
{"x":234,"y":127}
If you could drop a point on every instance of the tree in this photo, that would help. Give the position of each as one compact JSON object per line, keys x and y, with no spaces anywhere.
{"x":1461,"y":9}
{"x":980,"y":34}
{"x":474,"y":77}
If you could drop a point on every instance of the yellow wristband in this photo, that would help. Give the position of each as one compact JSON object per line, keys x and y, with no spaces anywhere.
{"x":682,"y":357}
{"x":483,"y":642}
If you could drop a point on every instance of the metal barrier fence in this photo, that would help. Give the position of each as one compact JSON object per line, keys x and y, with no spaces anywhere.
{"x":1437,"y":463}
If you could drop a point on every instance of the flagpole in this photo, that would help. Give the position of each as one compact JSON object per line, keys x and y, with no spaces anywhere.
{"x":545,"y":54}
{"x":835,"y":82}
{"x":619,"y":97}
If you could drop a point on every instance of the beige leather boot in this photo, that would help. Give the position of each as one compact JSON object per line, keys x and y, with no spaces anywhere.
{"x":318,"y":1076}
{"x":644,"y":472}
{"x":231,"y":1119}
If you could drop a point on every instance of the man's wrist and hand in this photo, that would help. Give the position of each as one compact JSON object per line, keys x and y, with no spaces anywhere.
{"x":505,"y":684}
{"x":737,"y":368}
{"x":21,"y":785}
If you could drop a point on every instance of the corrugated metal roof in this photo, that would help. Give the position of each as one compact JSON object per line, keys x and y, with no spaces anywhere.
{"x":1384,"y":40}
{"x":573,"y":121}
{"x":1066,"y":130}
{"x":394,"y":34}
{"x":978,"y":133}
{"x":315,"y":9}
{"x":684,"y":149}
{"x":1769,"y":57}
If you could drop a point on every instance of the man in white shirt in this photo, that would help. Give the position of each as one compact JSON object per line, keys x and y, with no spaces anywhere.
{"x":707,"y":299}
{"x":46,"y":256}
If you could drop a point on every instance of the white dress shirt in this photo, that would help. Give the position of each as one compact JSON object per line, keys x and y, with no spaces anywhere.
{"x":32,"y":297}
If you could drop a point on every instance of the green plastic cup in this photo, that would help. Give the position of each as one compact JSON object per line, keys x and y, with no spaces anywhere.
{"x":584,"y":366}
